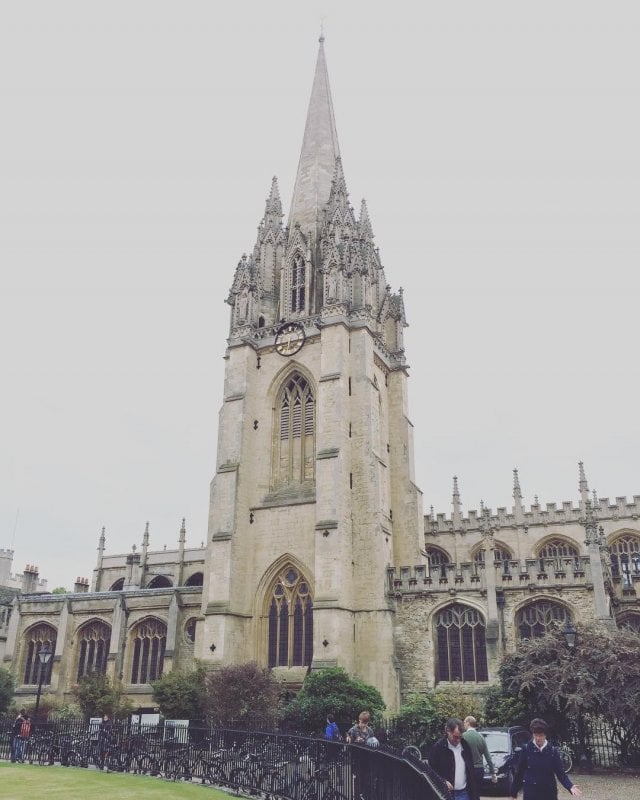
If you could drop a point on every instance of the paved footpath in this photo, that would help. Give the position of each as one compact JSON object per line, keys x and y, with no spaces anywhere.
{"x":614,"y":786}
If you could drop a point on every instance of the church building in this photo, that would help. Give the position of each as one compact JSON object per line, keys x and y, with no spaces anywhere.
{"x":317,"y":552}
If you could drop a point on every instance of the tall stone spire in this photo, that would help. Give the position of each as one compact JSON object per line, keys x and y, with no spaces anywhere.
{"x":517,"y":498}
{"x":457,"y":516}
{"x":319,"y":152}
{"x":583,"y":487}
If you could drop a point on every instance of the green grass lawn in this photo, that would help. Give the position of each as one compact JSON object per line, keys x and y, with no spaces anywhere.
{"x":27,"y":782}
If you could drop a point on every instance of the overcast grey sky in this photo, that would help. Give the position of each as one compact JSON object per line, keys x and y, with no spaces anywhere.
{"x":496,"y":144}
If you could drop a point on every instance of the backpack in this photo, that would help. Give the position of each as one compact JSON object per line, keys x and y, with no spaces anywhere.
{"x":25,"y":729}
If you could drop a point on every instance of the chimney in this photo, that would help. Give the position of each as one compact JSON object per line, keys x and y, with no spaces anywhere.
{"x":30,"y":579}
{"x":81,"y":585}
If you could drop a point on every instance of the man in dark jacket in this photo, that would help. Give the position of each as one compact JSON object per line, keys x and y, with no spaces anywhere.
{"x":539,"y":766}
{"x":451,"y":758}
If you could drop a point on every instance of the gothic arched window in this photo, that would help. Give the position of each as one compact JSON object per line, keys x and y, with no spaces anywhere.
{"x":295,"y":442}
{"x":460,"y":636}
{"x":630,"y":621}
{"x":438,"y":560}
{"x":159,"y":582}
{"x":500,"y":553}
{"x":117,"y":586}
{"x":538,"y":618}
{"x":93,"y":646}
{"x":35,"y":639}
{"x":625,"y":559}
{"x":290,"y":614}
{"x":298,"y":280}
{"x":558,"y":548}
{"x":194,"y":580}
{"x":149,"y":640}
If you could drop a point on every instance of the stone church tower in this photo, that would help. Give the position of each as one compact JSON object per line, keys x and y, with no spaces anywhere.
{"x":313,"y":497}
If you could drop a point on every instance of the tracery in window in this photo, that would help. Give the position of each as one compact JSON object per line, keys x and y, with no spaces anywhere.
{"x":295,"y":443}
{"x":438,"y":559}
{"x":159,"y":582}
{"x":500,"y":553}
{"x":462,"y":652}
{"x":290,"y":615}
{"x":538,"y":618}
{"x":630,"y":621}
{"x":190,"y":631}
{"x":558,"y":548}
{"x":149,"y":640}
{"x":93,"y":648}
{"x":298,"y":270}
{"x":117,"y":586}
{"x":625,"y":559}
{"x":35,"y":639}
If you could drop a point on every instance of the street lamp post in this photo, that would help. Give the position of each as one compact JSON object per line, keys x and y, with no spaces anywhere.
{"x":569,"y":632}
{"x":44,"y":657}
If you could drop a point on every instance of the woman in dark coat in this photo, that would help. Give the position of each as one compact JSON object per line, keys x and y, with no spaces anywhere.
{"x":539,"y":766}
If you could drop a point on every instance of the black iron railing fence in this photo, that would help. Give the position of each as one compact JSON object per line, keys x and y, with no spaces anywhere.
{"x":276,"y":766}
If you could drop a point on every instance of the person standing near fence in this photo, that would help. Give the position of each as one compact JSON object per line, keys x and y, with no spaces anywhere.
{"x":20,"y":733}
{"x":362,"y":731}
{"x":105,"y":738}
{"x":332,"y":731}
{"x":479,"y":750}
{"x":539,"y":766}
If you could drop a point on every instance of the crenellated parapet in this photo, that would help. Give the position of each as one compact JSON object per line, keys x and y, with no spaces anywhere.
{"x":556,"y":573}
{"x":536,"y":514}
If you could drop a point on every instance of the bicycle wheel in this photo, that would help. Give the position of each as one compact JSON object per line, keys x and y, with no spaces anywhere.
{"x":411,"y":751}
{"x":145,"y":764}
{"x":566,"y":759}
{"x":213,"y":772}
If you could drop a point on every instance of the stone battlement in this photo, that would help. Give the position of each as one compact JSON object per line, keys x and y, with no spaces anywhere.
{"x":538,"y":572}
{"x":535,"y":515}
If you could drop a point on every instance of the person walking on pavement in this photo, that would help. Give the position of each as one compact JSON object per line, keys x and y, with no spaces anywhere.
{"x":539,"y":766}
{"x":451,"y":758}
{"x":479,"y":750}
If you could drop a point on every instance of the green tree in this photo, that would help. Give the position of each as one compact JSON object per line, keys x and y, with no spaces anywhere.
{"x":333,"y":691}
{"x":96,"y":695}
{"x":599,"y":677}
{"x":7,"y":687}
{"x":242,"y":696}
{"x":59,"y":590}
{"x":181,"y":695}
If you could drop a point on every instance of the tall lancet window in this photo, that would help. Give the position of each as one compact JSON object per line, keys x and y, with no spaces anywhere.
{"x":93,"y":645}
{"x":295,"y":443}
{"x":148,"y":640}
{"x":290,"y":615}
{"x":298,"y":274}
{"x":460,"y":637}
{"x":34,"y":640}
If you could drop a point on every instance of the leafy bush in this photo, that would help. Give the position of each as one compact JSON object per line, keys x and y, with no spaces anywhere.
{"x":417,"y":722}
{"x":332,"y":691}
{"x":96,"y":695}
{"x":7,"y":688}
{"x":242,"y":696}
{"x":181,"y":695}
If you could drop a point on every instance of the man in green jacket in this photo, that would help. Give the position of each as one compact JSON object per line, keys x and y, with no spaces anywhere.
{"x":478,"y":745}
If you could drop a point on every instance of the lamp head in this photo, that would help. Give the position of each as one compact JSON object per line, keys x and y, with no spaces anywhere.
{"x":45,"y":653}
{"x":569,"y":632}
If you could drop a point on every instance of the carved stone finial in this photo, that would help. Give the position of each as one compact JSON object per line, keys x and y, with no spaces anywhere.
{"x":517,"y":492}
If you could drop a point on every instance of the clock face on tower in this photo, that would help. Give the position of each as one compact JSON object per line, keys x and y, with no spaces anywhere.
{"x":289,"y":339}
